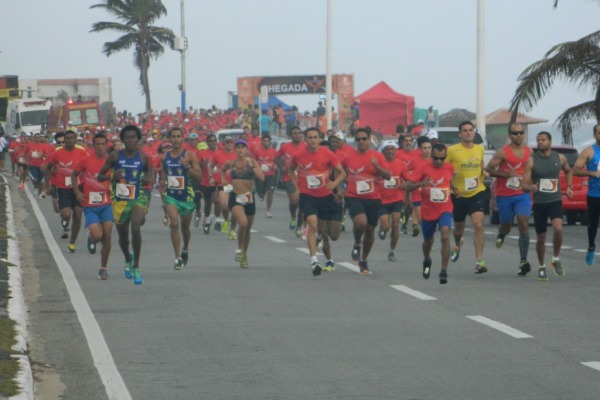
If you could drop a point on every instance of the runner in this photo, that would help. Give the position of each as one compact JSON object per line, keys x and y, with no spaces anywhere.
{"x":208,"y":188}
{"x":508,"y":166}
{"x":467,"y":158}
{"x":243,"y":171}
{"x":408,"y":154}
{"x":130,"y":171}
{"x":191,"y":144}
{"x":284,"y":156}
{"x":94,"y":197}
{"x":392,"y":197}
{"x":265,"y":156}
{"x":59,"y":173}
{"x":310,"y":173}
{"x":21,"y":155}
{"x":436,"y":180}
{"x":224,"y":186}
{"x":588,"y":164}
{"x":179,"y":166}
{"x":37,"y":154}
{"x":542,"y":177}
{"x":364,"y":168}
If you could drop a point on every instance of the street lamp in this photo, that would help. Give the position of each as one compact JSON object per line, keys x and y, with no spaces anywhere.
{"x":180,"y":44}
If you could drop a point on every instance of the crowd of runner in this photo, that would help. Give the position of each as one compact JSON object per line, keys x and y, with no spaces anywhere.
{"x":108,"y":178}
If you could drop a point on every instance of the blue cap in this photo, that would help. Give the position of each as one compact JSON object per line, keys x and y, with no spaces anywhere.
{"x":241,"y":141}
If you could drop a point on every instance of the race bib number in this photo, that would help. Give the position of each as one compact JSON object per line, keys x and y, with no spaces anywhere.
{"x":315,"y":181}
{"x":438,"y":195}
{"x":215,"y":169}
{"x":35,"y":154}
{"x":176,"y":182}
{"x":548,"y":185}
{"x":471,"y":183}
{"x":265,"y":167}
{"x":68,"y":181}
{"x":22,"y":160}
{"x":392,"y":183}
{"x":364,"y":187}
{"x":227,"y":188}
{"x":97,"y":197}
{"x":125,"y":191}
{"x":513,"y":183}
{"x":244,"y":199}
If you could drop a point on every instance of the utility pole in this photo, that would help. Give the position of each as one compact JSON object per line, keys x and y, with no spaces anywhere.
{"x":328,"y":83}
{"x":480,"y":118}
{"x":181,"y":45}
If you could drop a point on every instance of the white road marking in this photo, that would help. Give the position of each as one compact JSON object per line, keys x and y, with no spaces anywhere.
{"x":275,"y":239}
{"x":565,"y":247}
{"x":499,"y":326}
{"x":514,"y":237}
{"x":490,"y":233}
{"x":350,"y":266}
{"x":103,"y":360}
{"x":412,"y":292}
{"x":580,"y":250}
{"x":592,"y":364}
{"x":253,"y":231}
{"x":305,"y":250}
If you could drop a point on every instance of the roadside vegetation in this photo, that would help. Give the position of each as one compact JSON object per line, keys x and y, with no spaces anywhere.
{"x":8,"y":366}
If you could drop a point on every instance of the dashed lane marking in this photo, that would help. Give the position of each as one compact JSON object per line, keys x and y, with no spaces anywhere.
{"x":274,"y":239}
{"x":500,"y":327}
{"x":305,"y":250}
{"x":412,"y":292}
{"x":592,"y":364}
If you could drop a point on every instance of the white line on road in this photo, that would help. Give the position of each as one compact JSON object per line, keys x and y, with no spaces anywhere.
{"x":305,"y":250}
{"x":275,"y":239}
{"x":412,"y":292}
{"x":592,"y":364}
{"x":103,"y":360}
{"x":565,"y":247}
{"x":489,"y":232}
{"x":350,"y":266}
{"x":580,"y":250}
{"x":253,"y":231}
{"x":499,"y":326}
{"x":514,"y":237}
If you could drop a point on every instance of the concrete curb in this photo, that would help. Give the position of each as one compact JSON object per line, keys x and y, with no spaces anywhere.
{"x":16,"y":304}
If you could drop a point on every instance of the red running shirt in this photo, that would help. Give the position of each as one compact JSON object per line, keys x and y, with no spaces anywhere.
{"x":95,"y":194}
{"x":390,"y":190}
{"x":66,"y":161}
{"x":265,"y":159}
{"x":512,"y":186}
{"x":314,"y":169}
{"x":287,"y":151}
{"x":436,"y":198}
{"x":362,"y":176}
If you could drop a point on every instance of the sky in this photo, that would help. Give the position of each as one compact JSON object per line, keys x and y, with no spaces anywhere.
{"x":422,"y":48}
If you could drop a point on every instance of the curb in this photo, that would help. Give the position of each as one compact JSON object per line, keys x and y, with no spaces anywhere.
{"x":16,"y":303}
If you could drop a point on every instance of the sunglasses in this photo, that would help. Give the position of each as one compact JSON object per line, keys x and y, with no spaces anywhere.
{"x":515,"y":133}
{"x":361,"y":139}
{"x":438,"y":158}
{"x":60,"y":141}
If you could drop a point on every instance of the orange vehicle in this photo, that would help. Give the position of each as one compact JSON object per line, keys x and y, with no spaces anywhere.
{"x":82,"y":115}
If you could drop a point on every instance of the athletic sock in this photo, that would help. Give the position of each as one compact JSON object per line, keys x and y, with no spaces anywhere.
{"x":524,"y":246}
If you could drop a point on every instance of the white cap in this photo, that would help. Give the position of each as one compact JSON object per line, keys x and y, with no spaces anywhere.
{"x":432,"y":134}
{"x":340,"y":135}
{"x":387,"y":143}
{"x":420,"y":122}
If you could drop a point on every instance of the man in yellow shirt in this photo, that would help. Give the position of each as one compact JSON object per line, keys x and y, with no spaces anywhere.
{"x":468,"y":197}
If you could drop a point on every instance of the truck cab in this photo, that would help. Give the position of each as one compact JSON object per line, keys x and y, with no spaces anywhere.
{"x":77,"y":115}
{"x":27,"y":115}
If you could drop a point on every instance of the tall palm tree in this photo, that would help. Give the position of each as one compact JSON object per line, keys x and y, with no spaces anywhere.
{"x":576,"y":62}
{"x":137,"y":17}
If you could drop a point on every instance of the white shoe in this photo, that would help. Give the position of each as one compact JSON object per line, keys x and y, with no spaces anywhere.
{"x":269,"y":215}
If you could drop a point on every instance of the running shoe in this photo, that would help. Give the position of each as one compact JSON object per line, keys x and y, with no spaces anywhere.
{"x":196,"y":221}
{"x":71,"y":248}
{"x":165,"y":220}
{"x":499,"y":241}
{"x":443,"y":277}
{"x":319,"y":241}
{"x":364,"y":267}
{"x":178,"y":265}
{"x":480,"y":267}
{"x":403,"y":229}
{"x":426,"y":268}
{"x":558,"y":269}
{"x":343,"y":224}
{"x":298,"y":231}
{"x":137,"y":276}
{"x":382,"y":234}
{"x":22,"y":186}
{"x":329,"y":266}
{"x":103,"y":274}
{"x":403,"y":220}
{"x":225,"y":227}
{"x":232,"y":235}
{"x":65,"y":234}
{"x":129,"y":266}
{"x":268,"y":214}
{"x":238,"y":256}
{"x":206,"y":228}
{"x":185,"y":256}
{"x":292,"y":225}
{"x":64,"y":223}
{"x":244,"y":262}
{"x":91,"y":246}
{"x":542,"y":274}
{"x":524,"y":268}
{"x":455,"y":253}
{"x":416,"y":230}
{"x":304,"y":232}
{"x":42,"y":196}
{"x":392,"y":257}
{"x":217,"y":226}
{"x":316,"y":269}
{"x":590,"y":256}
{"x":356,"y":252}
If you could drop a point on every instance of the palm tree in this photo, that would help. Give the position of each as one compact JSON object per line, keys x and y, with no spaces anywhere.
{"x":576,"y":62}
{"x":137,"y":17}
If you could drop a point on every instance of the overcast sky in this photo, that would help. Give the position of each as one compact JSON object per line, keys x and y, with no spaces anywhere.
{"x":424,"y":48}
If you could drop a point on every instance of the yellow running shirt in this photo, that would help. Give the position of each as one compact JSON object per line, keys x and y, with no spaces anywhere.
{"x":468,"y":165}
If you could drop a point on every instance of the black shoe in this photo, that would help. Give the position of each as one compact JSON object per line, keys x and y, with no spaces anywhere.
{"x":178,"y":265}
{"x":356,"y":252}
{"x":206,"y":229}
{"x":364,"y":267}
{"x":426,"y":268}
{"x":91,"y":246}
{"x":65,"y":234}
{"x":217,"y":227}
{"x":65,"y":224}
{"x":524,"y":268}
{"x":382,"y":234}
{"x":443,"y":277}
{"x":185,"y":257}
{"x":316,"y":269}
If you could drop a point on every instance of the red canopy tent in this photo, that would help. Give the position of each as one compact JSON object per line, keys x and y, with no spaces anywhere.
{"x":382,"y":108}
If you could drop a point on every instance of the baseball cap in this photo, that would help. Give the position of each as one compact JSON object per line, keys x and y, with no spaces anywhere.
{"x":228,"y":138}
{"x":432,"y":134}
{"x":340,"y":135}
{"x":420,"y":122}
{"x":193,"y":135}
{"x":387,"y":143}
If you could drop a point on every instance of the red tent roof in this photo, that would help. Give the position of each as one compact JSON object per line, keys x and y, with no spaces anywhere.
{"x":383,"y":93}
{"x":382,"y":108}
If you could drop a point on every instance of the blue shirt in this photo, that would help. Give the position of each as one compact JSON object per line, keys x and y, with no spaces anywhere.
{"x":592,"y":165}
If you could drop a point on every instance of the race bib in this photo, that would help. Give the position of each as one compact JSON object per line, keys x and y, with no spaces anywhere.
{"x":227,"y":188}
{"x":548,"y":185}
{"x":471,"y":183}
{"x":125,"y":191}
{"x":392,"y":183}
{"x":215,"y":169}
{"x":35,"y":154}
{"x":68,"y":181}
{"x":438,"y":195}
{"x":264,"y":167}
{"x":513,"y":183}
{"x":364,"y":187}
{"x":97,"y":197}
{"x":22,"y":160}
{"x":176,"y":182}
{"x":244,"y":199}
{"x":315,"y":181}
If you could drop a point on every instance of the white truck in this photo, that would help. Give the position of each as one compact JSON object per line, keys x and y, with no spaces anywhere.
{"x":26,"y":115}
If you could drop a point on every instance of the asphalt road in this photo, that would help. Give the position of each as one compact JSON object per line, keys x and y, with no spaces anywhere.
{"x":273,"y":331}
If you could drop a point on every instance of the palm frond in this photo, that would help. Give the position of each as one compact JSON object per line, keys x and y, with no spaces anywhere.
{"x":574,"y":117}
